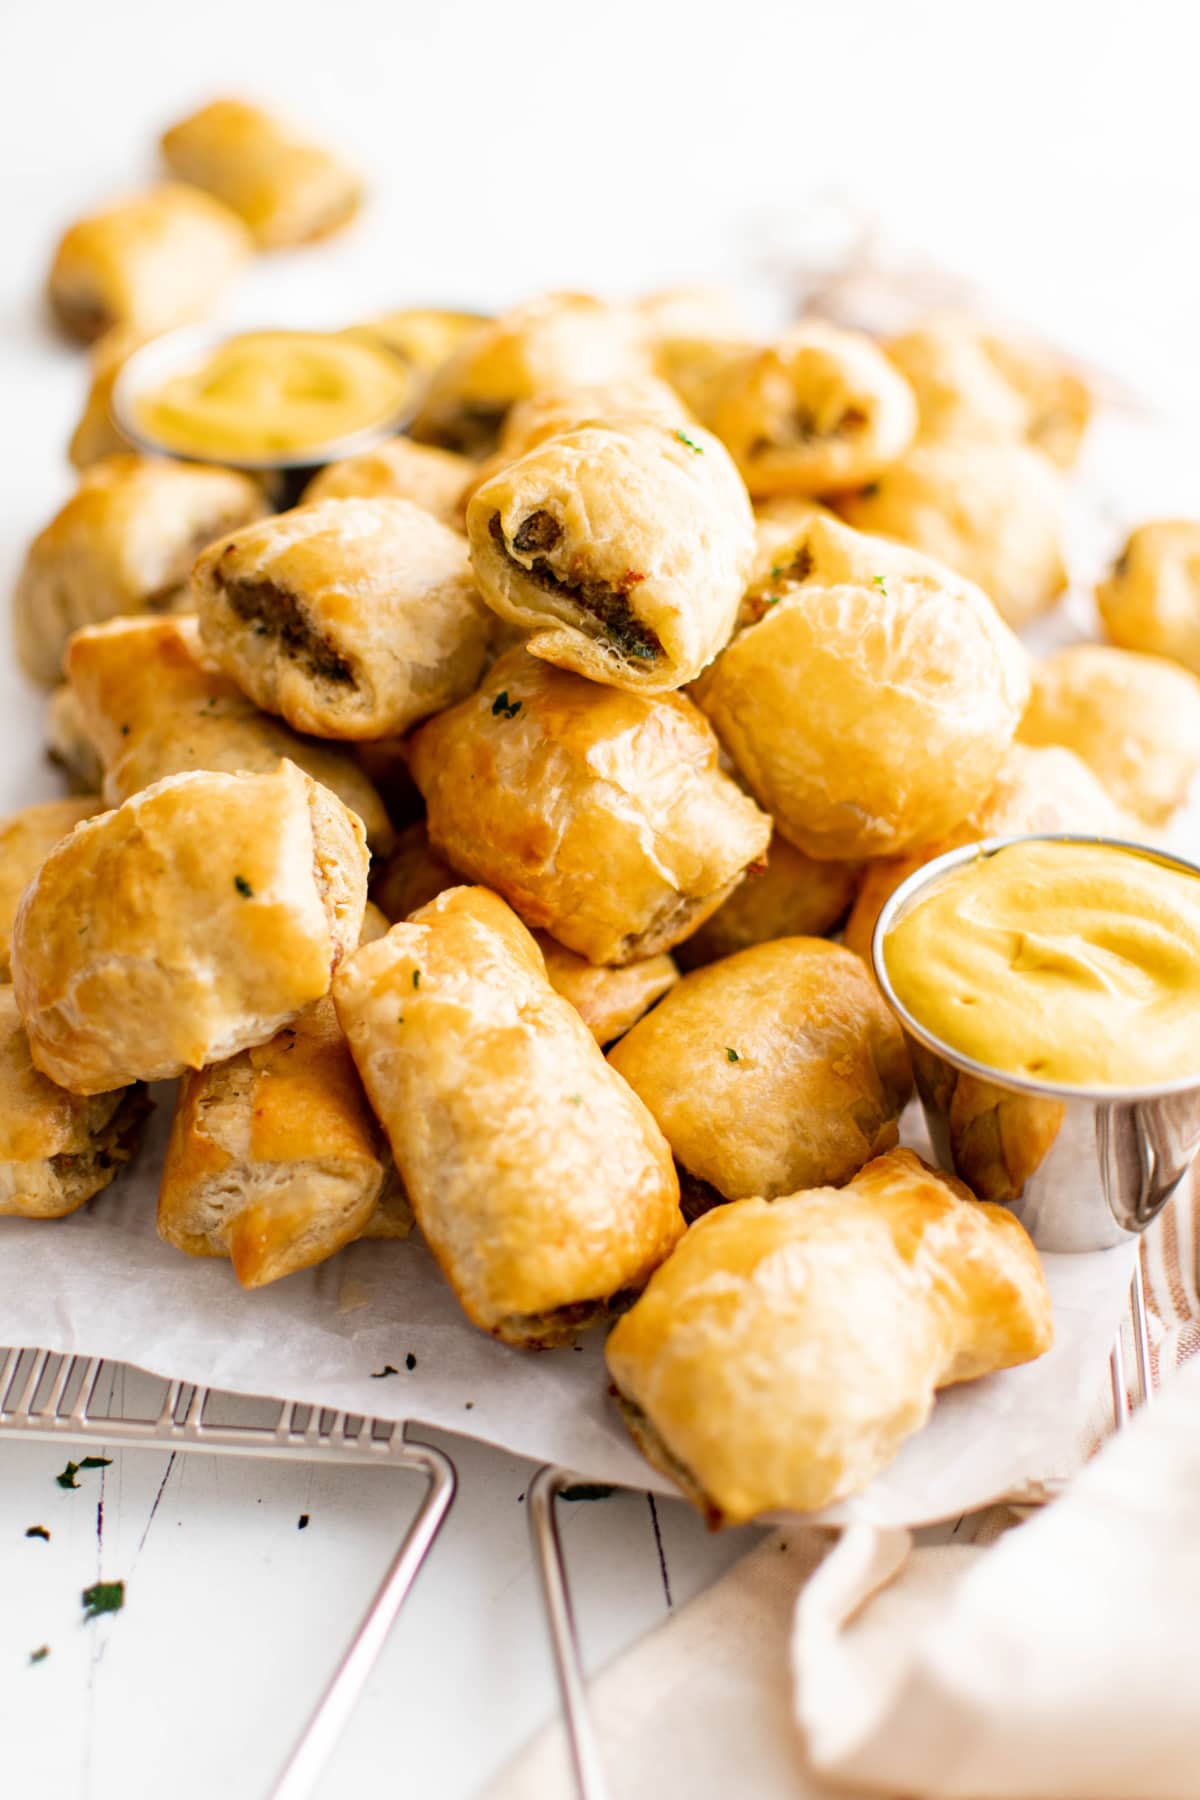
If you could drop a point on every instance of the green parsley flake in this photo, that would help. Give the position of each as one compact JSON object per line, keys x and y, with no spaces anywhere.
{"x":777,"y":572}
{"x":104,"y":1597}
{"x":243,"y":887}
{"x":731,"y":1055}
{"x":416,"y":978}
{"x":575,"y":1099}
{"x":503,"y":707}
{"x":40,"y":1654}
{"x":880,"y":583}
{"x":690,"y":442}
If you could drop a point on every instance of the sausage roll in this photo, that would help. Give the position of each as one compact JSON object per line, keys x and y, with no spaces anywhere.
{"x":541,"y":1183}
{"x":1135,"y":721}
{"x":1151,"y":600}
{"x":783,"y":1353}
{"x":152,"y":703}
{"x":608,"y":1000}
{"x":398,"y":470}
{"x":972,"y":382}
{"x":351,"y":618}
{"x":623,"y":547}
{"x":26,"y":840}
{"x":96,"y":434}
{"x":994,"y":512}
{"x":776,"y":1069}
{"x":422,"y":336}
{"x":192,"y":922}
{"x":557,"y":340}
{"x":287,"y":188}
{"x":818,"y":412}
{"x":868,"y":712}
{"x":793,"y":896}
{"x":601,"y":816}
{"x":1036,"y":790}
{"x":68,"y":744}
{"x":275,"y":1159}
{"x":997,"y":1139}
{"x":123,"y":543}
{"x":57,"y":1149}
{"x":153,"y":261}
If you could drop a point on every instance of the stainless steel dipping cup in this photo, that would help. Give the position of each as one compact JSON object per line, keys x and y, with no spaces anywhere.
{"x":1082,"y":1168}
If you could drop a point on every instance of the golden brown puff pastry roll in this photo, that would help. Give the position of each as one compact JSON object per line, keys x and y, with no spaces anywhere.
{"x":26,"y":840}
{"x":1151,"y":599}
{"x":818,"y":412}
{"x":870,"y":714}
{"x":96,"y":435}
{"x":541,"y":1183}
{"x":1135,"y":721}
{"x":57,"y":1149}
{"x":398,"y":470}
{"x":1038,"y":790}
{"x":423,"y":336}
{"x":622,"y":547}
{"x":123,"y":543}
{"x":351,"y":618}
{"x":152,"y":703}
{"x":287,"y":188}
{"x":608,"y":1000}
{"x":274,"y":1159}
{"x":793,"y":896}
{"x":192,"y":922}
{"x":601,"y":816}
{"x":151,"y":261}
{"x":557,"y":340}
{"x":551,"y":411}
{"x":994,"y":512}
{"x":783,"y":1353}
{"x":776,"y":1069}
{"x":68,"y":744}
{"x":973,"y":382}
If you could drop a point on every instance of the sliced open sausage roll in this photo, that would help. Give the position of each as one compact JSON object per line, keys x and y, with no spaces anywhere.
{"x":623,"y":547}
{"x":351,"y":618}
{"x":820,"y":411}
{"x":781,"y":1356}
{"x":601,"y":816}
{"x":57,"y":1149}
{"x":541,"y":1183}
{"x":275,"y":1159}
{"x":152,"y":702}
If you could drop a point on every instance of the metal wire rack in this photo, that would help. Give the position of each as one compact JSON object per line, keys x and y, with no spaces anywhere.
{"x":44,"y":1395}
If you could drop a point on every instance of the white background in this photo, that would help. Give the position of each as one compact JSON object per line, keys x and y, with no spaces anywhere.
{"x":1049,"y":150}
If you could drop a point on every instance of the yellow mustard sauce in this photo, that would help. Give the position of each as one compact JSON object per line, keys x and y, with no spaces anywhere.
{"x":273,"y":394}
{"x":1072,"y":964}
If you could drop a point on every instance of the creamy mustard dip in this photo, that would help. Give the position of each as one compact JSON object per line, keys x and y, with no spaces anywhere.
{"x":273,"y":394}
{"x":1072,"y":964}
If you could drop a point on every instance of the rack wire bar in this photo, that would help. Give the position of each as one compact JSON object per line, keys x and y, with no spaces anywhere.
{"x":549,"y":1482}
{"x":43,"y":1395}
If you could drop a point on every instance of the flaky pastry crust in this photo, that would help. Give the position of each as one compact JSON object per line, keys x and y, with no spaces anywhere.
{"x":784,"y":1352}
{"x":539,"y":1180}
{"x":1151,"y":598}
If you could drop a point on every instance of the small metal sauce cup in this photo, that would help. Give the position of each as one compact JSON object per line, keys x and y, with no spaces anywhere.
{"x":154,"y":362}
{"x":1082,"y":1168}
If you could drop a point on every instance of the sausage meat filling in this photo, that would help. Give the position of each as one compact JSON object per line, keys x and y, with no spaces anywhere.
{"x":271,"y":611}
{"x":606,"y":604}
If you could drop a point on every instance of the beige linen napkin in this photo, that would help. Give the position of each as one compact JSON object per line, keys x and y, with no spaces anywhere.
{"x":1059,"y":1663}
